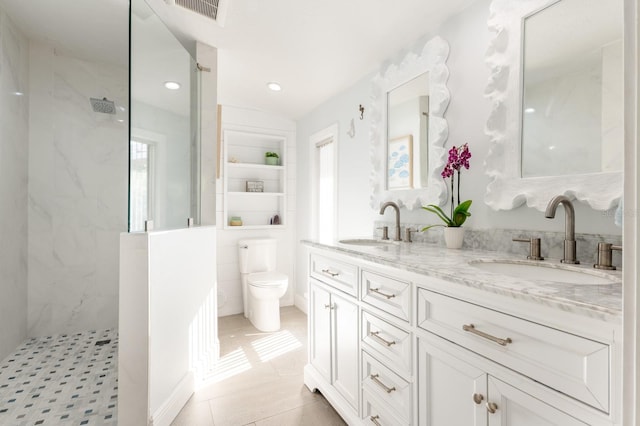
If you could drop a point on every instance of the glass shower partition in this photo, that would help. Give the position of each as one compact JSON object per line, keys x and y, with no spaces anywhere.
{"x":164,"y":130}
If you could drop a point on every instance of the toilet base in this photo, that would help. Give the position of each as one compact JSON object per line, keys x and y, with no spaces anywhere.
{"x":265,"y":314}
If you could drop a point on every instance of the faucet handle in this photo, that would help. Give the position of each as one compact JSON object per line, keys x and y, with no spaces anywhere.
{"x":385,"y":232}
{"x":534,"y":247}
{"x":407,"y":234}
{"x":605,"y":253}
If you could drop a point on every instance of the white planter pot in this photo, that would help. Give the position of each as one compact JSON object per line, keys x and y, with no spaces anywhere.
{"x":453,"y":237}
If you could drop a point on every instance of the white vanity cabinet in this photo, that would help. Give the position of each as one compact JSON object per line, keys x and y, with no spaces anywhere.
{"x":574,"y":365}
{"x":447,"y":387}
{"x":386,"y":348}
{"x":514,"y":407}
{"x":486,"y":367}
{"x":333,"y":335}
{"x":427,"y":351}
{"x":454,"y":392}
{"x":334,"y":342}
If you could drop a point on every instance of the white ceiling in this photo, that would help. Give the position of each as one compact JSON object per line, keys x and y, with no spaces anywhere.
{"x":315,"y":49}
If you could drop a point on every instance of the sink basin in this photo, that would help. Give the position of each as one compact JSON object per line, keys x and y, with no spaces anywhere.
{"x":370,"y":242}
{"x":545,"y":272}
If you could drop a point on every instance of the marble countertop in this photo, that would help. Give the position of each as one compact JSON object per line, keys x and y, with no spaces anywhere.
{"x":597,"y":301}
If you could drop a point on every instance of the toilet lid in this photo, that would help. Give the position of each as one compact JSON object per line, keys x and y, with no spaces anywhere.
{"x":266,"y":279}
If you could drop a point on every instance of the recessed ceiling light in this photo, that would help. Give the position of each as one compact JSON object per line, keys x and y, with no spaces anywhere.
{"x":172,"y":85}
{"x":529,"y":110}
{"x":272,"y":85}
{"x":18,"y":93}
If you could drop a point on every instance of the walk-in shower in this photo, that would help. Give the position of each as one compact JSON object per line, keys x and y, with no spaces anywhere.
{"x":64,"y":144}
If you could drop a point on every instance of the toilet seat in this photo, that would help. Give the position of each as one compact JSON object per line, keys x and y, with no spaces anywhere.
{"x":267,"y":279}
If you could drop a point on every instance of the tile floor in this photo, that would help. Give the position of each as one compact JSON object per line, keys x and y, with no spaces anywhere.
{"x":70,"y":379}
{"x":259,"y":379}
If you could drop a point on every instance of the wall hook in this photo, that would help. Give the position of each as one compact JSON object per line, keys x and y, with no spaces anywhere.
{"x":361,"y":108}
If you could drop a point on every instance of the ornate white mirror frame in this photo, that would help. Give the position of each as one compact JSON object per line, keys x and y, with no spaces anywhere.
{"x":507,"y":189}
{"x":431,"y":60}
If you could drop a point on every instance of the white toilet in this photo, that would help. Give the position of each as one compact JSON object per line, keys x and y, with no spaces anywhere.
{"x":262,"y":286}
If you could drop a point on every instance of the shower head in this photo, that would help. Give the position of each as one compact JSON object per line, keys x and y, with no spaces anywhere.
{"x":103,"y":105}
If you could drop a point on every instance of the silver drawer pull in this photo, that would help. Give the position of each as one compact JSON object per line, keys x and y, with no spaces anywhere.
{"x":492,"y":407}
{"x":374,"y":420}
{"x":388,"y":296}
{"x":376,"y":334}
{"x":472,"y":329}
{"x":329,"y":272}
{"x":377,"y":381}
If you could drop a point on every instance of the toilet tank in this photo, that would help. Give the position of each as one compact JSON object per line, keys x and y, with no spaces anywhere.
{"x":257,"y":255}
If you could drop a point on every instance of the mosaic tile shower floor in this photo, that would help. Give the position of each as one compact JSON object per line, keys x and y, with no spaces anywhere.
{"x":70,"y":379}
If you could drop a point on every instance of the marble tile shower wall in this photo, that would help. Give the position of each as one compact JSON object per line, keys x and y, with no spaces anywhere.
{"x":77,"y":193}
{"x":14,"y":121}
{"x":500,"y":240}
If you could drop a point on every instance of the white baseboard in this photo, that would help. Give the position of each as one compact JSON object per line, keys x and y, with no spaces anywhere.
{"x":172,"y":406}
{"x":301,"y":303}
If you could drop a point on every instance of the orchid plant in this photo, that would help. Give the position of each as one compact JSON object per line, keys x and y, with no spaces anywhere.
{"x":458,"y":159}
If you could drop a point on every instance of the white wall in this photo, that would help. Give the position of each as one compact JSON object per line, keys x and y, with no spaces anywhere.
{"x":14,"y":57}
{"x":355,"y":218}
{"x":467,"y":113}
{"x":229,"y":284}
{"x":78,"y":161}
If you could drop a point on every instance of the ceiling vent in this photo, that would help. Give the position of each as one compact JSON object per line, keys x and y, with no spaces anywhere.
{"x":213,"y":9}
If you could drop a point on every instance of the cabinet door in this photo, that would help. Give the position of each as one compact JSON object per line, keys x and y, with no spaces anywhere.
{"x":450,"y":391}
{"x":345,"y":348}
{"x":516,"y":408}
{"x":320,"y":330}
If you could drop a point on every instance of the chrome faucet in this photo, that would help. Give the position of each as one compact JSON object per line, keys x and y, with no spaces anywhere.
{"x":569,"y":226}
{"x":397,"y":209}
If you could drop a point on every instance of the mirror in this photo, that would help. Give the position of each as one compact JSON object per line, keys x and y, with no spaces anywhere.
{"x":407,"y":139}
{"x":408,"y":130}
{"x":529,"y":160}
{"x":572,"y":109}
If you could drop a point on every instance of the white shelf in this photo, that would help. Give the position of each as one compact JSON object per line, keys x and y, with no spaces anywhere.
{"x":253,"y":166}
{"x":256,"y":194}
{"x":250,"y":227}
{"x":255,"y":208}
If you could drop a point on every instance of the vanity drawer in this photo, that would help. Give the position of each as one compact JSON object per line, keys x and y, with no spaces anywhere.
{"x":390,"y":389}
{"x":338,"y":274}
{"x":391,"y":295}
{"x":376,"y":413}
{"x":389,"y":340}
{"x":571,"y":364}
